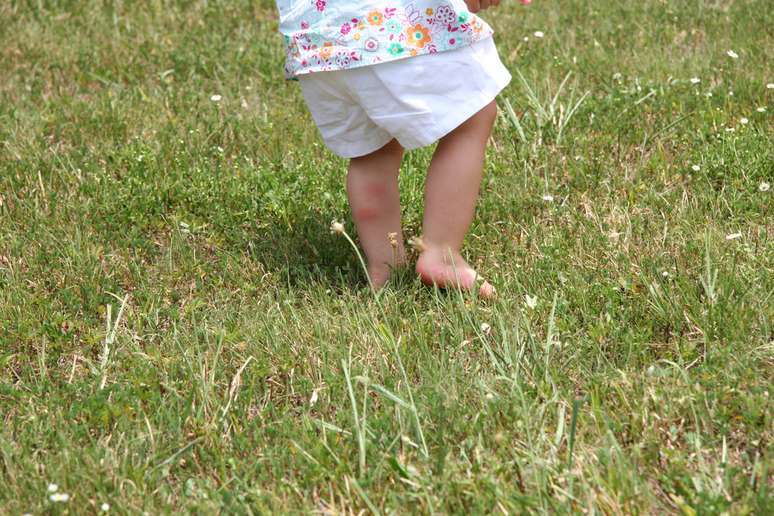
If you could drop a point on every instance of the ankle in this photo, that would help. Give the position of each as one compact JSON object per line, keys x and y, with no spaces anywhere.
{"x":438,"y":250}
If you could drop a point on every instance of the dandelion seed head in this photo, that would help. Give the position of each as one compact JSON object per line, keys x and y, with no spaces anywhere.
{"x":337,"y":227}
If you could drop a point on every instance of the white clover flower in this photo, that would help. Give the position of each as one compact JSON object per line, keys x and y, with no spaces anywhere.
{"x":764,"y":186}
{"x":732,"y":54}
{"x":538,"y":34}
{"x":695,"y":80}
{"x":59,"y":497}
{"x":733,"y":236}
{"x":548,"y":198}
{"x":530,"y":301}
{"x":744,"y":121}
{"x":695,"y":168}
{"x":216,"y":98}
{"x":53,"y":488}
{"x":105,"y":507}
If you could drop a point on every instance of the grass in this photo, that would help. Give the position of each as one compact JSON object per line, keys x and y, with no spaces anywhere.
{"x":179,"y":331}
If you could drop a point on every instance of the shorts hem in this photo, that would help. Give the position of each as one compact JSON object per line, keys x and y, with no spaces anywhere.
{"x":361,"y":150}
{"x":457,"y":118}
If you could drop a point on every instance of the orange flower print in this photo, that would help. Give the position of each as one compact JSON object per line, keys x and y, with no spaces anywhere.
{"x":375,"y":18}
{"x":326,"y":50}
{"x":418,"y":36}
{"x":429,"y":11}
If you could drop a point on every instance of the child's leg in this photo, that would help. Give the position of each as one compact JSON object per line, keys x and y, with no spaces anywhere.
{"x":451,"y":191}
{"x":372,"y":185}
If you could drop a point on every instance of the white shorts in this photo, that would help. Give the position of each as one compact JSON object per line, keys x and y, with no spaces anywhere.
{"x":416,"y":100}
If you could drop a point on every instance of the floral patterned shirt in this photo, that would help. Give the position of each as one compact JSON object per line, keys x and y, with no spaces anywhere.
{"x":323,"y":35}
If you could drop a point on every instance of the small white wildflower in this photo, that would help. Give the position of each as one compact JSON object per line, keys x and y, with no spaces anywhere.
{"x":665,"y":274}
{"x":761,"y":109}
{"x":732,"y":54}
{"x":53,"y":488}
{"x":526,"y":38}
{"x":59,"y":497}
{"x":216,"y":98}
{"x":730,"y":93}
{"x":313,"y":398}
{"x":486,"y":329}
{"x":730,"y":129}
{"x":770,"y":86}
{"x":489,"y":396}
{"x":548,"y":198}
{"x":617,"y":76}
{"x":538,"y":34}
{"x":105,"y":507}
{"x":651,"y":370}
{"x":695,"y":168}
{"x":531,"y":301}
{"x":337,"y":227}
{"x":708,"y":94}
{"x":744,"y":121}
{"x":695,"y":80}
{"x":733,"y":236}
{"x":764,"y":187}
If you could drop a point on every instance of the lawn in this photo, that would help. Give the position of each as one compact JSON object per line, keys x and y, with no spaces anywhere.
{"x":180,"y":331}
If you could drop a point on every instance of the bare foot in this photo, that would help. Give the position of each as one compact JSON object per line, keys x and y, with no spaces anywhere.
{"x":448,"y":269}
